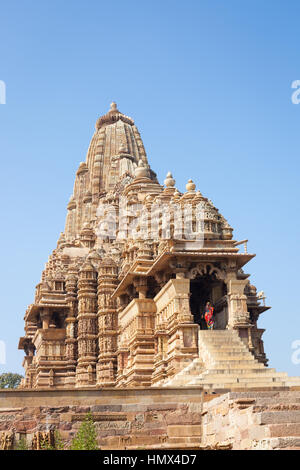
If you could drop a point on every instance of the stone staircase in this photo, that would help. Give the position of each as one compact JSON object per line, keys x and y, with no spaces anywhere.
{"x":226,"y":363}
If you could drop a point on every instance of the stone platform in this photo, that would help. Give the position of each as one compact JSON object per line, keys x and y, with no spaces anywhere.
{"x":125,"y":418}
{"x":161,"y":418}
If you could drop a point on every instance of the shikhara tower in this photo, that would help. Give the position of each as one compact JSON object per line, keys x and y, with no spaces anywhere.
{"x":124,"y":311}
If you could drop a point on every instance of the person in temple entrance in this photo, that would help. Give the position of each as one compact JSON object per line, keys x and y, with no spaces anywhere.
{"x":208,"y":315}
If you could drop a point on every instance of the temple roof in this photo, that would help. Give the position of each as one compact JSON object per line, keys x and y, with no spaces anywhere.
{"x":112,"y":116}
{"x":115,"y":151}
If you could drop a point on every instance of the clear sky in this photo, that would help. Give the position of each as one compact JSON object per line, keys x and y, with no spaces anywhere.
{"x":209,"y":86}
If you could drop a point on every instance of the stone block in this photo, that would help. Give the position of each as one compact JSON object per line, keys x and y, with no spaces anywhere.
{"x":284,"y":430}
{"x":277,"y":417}
{"x":184,"y":430}
{"x":178,"y":418}
{"x":23,"y":426}
{"x":258,"y":432}
{"x":105,"y":408}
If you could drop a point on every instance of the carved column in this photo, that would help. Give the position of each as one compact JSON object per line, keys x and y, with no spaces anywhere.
{"x":238,"y":315}
{"x":122,"y":349}
{"x":46,"y":318}
{"x":71,"y":341}
{"x":87,"y":326}
{"x":107,"y":323}
{"x":140,"y":284}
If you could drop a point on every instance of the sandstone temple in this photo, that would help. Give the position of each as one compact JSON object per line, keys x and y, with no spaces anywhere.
{"x":122,"y":308}
{"x":116,"y":327}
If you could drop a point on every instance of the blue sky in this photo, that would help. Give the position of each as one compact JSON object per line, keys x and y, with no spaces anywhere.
{"x":209,"y":86}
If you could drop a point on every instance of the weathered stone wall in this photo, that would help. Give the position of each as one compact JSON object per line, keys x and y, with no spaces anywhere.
{"x":160,"y":418}
{"x":253,"y":420}
{"x":125,"y":419}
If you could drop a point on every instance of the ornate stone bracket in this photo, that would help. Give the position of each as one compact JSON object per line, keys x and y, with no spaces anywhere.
{"x":203,"y":269}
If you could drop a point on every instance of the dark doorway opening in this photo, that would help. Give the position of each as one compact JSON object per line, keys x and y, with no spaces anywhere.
{"x":206,"y":289}
{"x":200,"y":294}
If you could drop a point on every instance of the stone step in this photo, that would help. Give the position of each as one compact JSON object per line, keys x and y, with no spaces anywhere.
{"x":227,"y":337}
{"x":234,"y":358}
{"x":229,"y":350}
{"x":229,"y":353}
{"x":228,"y":384}
{"x":231,"y":386}
{"x":225,"y":362}
{"x":215,"y":346}
{"x":244,"y":361}
{"x":237,"y":386}
{"x":234,"y":371}
{"x":220,"y":340}
{"x":292,"y":381}
{"x":218,"y":333}
{"x":223,"y":348}
{"x":207,"y":335}
{"x":235,"y":379}
{"x":241,"y":363}
{"x":248,"y":372}
{"x":224,"y":341}
{"x":219,"y":381}
{"x":234,"y":366}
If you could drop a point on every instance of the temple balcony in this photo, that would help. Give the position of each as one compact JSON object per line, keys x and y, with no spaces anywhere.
{"x":136,"y":343}
{"x":50,"y":344}
{"x":176,"y":334}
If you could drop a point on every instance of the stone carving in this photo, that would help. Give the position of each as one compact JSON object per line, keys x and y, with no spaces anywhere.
{"x":43,"y":440}
{"x":6,"y":440}
{"x":203,"y":269}
{"x":118,"y":308}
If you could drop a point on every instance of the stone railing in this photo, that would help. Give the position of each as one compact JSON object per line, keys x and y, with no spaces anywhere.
{"x":176,"y":334}
{"x":50,"y":343}
{"x":136,"y":343}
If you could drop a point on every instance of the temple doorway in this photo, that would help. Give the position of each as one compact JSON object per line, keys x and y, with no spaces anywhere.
{"x":208,"y":289}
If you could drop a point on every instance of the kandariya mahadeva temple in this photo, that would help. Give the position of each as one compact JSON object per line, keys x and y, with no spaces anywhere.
{"x":122,"y":308}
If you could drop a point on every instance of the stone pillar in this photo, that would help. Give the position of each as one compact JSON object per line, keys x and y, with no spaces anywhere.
{"x":71,"y":341}
{"x":46,"y":318}
{"x":122,"y":350}
{"x":238,"y":315}
{"x":140,"y":283}
{"x":107,"y":324}
{"x":87,"y":326}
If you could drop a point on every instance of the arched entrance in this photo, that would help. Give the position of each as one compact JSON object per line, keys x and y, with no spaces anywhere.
{"x":200,"y":289}
{"x":207,"y":285}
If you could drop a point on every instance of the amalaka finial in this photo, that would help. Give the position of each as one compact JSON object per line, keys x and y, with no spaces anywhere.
{"x":190,"y":186}
{"x":141,"y":171}
{"x":113,"y":106}
{"x":169,"y":181}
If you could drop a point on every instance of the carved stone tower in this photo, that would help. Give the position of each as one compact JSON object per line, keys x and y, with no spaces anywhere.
{"x":121,"y":298}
